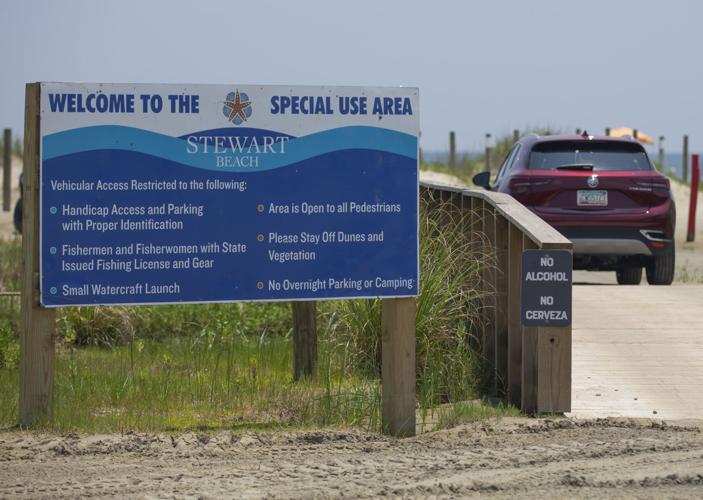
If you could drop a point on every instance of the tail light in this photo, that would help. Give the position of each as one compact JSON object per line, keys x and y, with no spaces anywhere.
{"x":524,"y":183}
{"x":524,"y":188}
{"x":657,"y":186}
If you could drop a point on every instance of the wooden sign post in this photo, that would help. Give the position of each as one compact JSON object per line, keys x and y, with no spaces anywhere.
{"x":37,"y":323}
{"x":304,"y":338}
{"x":398,"y":366}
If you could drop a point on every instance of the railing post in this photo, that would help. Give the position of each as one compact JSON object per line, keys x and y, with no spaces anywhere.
{"x":452,"y":149}
{"x":479,"y":247}
{"x":693,"y":202}
{"x":546,"y":365}
{"x":529,"y":353}
{"x":398,"y":366}
{"x":488,"y":289}
{"x":553,"y":370}
{"x":501,"y":248}
{"x":304,"y":338}
{"x":514,"y":381}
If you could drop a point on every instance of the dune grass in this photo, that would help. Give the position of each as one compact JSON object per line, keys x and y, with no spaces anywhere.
{"x":172,"y":368}
{"x":198,"y":383}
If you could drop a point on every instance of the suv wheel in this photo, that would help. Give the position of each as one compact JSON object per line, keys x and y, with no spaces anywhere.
{"x":628,"y":275}
{"x":660,"y":269}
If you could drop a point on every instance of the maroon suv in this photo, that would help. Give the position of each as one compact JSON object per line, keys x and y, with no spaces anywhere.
{"x":600,"y":192}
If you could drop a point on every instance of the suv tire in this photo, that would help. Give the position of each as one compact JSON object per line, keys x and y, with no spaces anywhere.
{"x":660,"y":269}
{"x":628,"y":275}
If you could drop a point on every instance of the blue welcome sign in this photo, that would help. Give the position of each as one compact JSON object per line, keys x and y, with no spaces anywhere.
{"x":214,"y":193}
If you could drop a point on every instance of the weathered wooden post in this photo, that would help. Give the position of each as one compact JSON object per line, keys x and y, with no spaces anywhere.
{"x":452,"y":149}
{"x":488,"y":152}
{"x":37,"y":324}
{"x":514,"y":370}
{"x":489,"y":287}
{"x":635,"y":134}
{"x":7,"y":170}
{"x":607,"y":131}
{"x":546,"y":359}
{"x":500,"y":314}
{"x":304,"y":338}
{"x":661,"y":152}
{"x":684,"y":173}
{"x":516,"y":135}
{"x":398,"y":366}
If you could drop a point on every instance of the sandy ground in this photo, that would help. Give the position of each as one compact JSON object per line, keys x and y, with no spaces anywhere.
{"x":519,"y":458}
{"x":689,"y":256}
{"x":441,"y":178}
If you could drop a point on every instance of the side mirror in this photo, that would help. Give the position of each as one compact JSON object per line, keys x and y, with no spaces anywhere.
{"x":483,"y":179}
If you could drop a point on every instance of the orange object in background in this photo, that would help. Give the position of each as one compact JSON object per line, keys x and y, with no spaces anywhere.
{"x":642,"y":138}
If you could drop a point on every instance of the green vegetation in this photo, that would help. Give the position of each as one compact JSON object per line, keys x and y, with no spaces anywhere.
{"x":467,"y":166}
{"x":689,"y":276}
{"x":230,"y":365}
{"x":670,"y":174}
{"x":463,"y":171}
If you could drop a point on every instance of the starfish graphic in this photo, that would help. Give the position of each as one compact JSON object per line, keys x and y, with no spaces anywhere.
{"x":236,"y":108}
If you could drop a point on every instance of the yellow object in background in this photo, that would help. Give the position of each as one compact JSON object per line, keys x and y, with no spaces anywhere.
{"x":641,"y":136}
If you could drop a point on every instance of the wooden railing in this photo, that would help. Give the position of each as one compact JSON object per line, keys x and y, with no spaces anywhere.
{"x":531,"y":367}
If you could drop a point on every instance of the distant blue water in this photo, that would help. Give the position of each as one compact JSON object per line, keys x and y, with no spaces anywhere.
{"x":673,"y":163}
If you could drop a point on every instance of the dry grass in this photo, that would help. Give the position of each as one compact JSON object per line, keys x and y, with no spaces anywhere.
{"x":193,"y":367}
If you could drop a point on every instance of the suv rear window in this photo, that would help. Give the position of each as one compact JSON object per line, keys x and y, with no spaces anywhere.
{"x":603,"y":155}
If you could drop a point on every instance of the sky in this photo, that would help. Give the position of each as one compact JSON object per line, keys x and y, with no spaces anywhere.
{"x":488,"y":66}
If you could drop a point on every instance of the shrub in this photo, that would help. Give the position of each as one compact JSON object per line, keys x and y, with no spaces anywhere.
{"x":9,"y":346}
{"x":447,"y":313}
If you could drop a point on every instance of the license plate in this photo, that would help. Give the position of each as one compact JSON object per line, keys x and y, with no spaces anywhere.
{"x":592,"y":198}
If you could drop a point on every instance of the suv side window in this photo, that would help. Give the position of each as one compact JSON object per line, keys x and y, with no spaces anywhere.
{"x":506,"y":163}
{"x":515,"y":158}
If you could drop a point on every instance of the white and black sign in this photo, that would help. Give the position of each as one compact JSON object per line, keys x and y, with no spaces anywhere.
{"x":546,"y":287}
